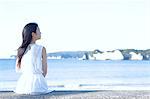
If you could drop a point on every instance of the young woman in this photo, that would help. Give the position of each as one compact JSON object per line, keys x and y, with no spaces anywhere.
{"x":31,"y":62}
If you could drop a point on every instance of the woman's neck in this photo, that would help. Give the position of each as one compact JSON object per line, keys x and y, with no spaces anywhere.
{"x":32,"y":42}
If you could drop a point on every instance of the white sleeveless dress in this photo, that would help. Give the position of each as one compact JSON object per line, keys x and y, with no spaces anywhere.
{"x":32,"y":81}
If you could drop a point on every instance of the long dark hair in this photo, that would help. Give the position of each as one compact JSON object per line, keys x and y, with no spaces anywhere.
{"x":26,"y":40}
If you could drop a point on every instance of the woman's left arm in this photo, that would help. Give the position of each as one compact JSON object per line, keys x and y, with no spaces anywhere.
{"x":44,"y":61}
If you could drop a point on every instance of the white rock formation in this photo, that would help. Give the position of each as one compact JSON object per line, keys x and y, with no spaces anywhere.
{"x":135,"y":56}
{"x":112,"y":55}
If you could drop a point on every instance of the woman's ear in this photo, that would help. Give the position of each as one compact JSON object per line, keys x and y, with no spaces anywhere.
{"x":33,"y":34}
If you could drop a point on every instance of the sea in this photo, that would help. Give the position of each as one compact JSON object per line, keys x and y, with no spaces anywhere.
{"x":73,"y":74}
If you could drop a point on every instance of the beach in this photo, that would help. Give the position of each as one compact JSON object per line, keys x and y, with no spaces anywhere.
{"x":101,"y":94}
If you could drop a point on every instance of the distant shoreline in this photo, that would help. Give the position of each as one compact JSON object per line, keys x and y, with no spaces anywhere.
{"x":117,"y":54}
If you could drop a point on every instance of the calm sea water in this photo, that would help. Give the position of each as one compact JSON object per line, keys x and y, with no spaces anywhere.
{"x":85,"y":75}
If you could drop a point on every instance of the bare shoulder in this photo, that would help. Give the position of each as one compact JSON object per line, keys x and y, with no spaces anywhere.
{"x":43,"y":49}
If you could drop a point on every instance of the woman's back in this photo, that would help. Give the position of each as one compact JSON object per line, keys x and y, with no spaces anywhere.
{"x":32,"y":60}
{"x":32,"y":80}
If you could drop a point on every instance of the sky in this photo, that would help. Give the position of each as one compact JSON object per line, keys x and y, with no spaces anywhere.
{"x":76,"y":25}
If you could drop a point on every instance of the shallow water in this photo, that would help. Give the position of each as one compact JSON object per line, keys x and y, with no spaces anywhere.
{"x":85,"y":74}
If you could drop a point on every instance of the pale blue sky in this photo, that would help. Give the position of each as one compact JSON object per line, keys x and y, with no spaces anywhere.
{"x":68,"y":25}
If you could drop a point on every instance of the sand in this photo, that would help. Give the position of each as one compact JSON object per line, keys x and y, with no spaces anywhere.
{"x":102,"y":94}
